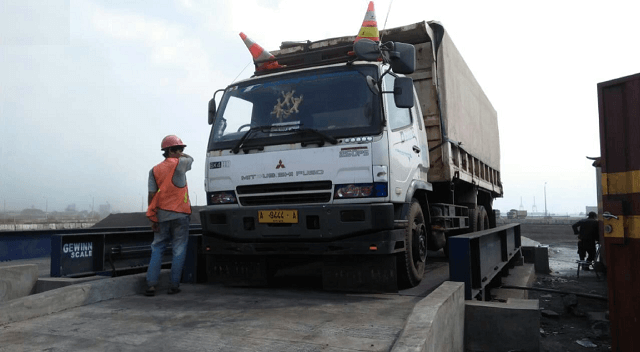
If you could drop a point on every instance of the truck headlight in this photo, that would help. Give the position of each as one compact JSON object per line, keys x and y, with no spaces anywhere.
{"x":223,"y":197}
{"x":360,"y":190}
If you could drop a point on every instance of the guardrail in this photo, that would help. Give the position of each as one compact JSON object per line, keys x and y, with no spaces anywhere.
{"x":480,"y":257}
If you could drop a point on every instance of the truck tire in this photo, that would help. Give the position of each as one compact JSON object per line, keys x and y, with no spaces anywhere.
{"x":473,"y":220}
{"x":483,"y":219}
{"x":411,"y":262}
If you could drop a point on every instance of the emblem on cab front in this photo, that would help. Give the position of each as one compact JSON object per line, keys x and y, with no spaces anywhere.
{"x":280,"y":165}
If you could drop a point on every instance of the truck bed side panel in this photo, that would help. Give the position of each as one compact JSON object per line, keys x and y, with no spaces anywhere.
{"x":468,"y":114}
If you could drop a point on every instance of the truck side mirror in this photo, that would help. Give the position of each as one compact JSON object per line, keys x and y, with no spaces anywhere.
{"x":403,"y":92}
{"x":212,"y":107}
{"x":403,"y":58}
{"x":212,"y":110}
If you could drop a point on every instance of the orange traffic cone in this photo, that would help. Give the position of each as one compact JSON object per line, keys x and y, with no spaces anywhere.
{"x":260,"y":56}
{"x":369,"y":29}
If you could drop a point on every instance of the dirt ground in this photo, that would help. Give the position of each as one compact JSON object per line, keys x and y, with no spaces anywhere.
{"x":569,"y":322}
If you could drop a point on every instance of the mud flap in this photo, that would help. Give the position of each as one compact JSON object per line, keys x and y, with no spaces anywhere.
{"x":372,"y":274}
{"x":238,"y":270}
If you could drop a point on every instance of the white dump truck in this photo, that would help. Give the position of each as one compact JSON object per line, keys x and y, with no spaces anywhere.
{"x":360,"y":157}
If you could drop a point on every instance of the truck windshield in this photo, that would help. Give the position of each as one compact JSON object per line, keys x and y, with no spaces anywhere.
{"x":334,"y":101}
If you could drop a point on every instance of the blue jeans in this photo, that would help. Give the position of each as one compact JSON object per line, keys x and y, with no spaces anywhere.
{"x":175,"y":232}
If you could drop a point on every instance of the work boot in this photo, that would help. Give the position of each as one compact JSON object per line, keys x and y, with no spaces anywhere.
{"x":151,"y":291}
{"x":173,"y":290}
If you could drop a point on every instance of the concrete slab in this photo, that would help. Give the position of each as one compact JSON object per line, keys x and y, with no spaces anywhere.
{"x":498,"y":327}
{"x":43,"y":263}
{"x":527,"y":242}
{"x":218,"y":318}
{"x":435,"y":274}
{"x":51,"y":283}
{"x":72,"y":296}
{"x":523,"y":276}
{"x":17,"y":281}
{"x":436,"y":323}
{"x":538,"y":255}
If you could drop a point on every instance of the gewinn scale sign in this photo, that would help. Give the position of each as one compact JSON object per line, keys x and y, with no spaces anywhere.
{"x":78,"y":250}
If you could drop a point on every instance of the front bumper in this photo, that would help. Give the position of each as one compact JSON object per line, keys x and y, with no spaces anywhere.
{"x":321,"y":229}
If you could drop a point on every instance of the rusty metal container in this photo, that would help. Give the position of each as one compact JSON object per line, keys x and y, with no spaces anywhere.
{"x":619,"y":110}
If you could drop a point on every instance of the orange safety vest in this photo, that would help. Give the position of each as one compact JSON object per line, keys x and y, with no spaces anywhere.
{"x":169,"y":196}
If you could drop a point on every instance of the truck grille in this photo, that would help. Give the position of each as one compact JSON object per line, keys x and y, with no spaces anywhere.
{"x":285,"y":193}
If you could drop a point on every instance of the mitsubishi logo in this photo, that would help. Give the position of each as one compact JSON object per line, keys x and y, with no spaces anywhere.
{"x":280,"y":165}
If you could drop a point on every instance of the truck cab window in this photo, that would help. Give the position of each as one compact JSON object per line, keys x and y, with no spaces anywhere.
{"x":335,"y":101}
{"x":398,"y":117}
{"x":236,"y":115}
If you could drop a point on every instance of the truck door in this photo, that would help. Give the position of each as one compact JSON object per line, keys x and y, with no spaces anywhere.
{"x":619,"y":109}
{"x":405,"y":152}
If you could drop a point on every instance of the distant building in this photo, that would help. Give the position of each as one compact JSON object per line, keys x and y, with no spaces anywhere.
{"x":71,"y":207}
{"x":32,"y":214}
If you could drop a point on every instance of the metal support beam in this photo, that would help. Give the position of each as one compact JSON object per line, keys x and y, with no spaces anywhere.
{"x":478,"y":258}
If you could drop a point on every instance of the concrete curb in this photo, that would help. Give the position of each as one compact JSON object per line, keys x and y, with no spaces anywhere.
{"x":77,"y":295}
{"x":17,"y":281}
{"x":497,"y":326}
{"x":436,"y":323}
{"x":521,"y":275}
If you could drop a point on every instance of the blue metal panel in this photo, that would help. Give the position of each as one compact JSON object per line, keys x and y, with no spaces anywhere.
{"x":190,"y":270}
{"x":56,"y":246}
{"x":477,"y":258}
{"x":76,"y":254}
{"x":460,"y":264}
{"x":110,"y":251}
{"x":24,"y":245}
{"x":16,"y":245}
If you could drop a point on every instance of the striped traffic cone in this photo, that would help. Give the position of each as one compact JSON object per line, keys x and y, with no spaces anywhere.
{"x":260,"y":56}
{"x":369,"y":29}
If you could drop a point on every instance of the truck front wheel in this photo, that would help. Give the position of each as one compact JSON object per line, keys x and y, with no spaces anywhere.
{"x":411,"y":262}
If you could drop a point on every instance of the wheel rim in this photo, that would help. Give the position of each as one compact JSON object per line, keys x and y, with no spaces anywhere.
{"x":419,"y":242}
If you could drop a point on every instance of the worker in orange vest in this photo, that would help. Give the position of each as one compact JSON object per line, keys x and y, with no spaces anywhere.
{"x":169,"y":211}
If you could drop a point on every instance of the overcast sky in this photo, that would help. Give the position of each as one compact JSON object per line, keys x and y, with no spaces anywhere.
{"x":88,"y":89}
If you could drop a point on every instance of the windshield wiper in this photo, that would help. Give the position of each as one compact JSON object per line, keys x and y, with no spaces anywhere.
{"x":263,"y":129}
{"x":323,"y":137}
{"x":236,"y":148}
{"x":278,"y":129}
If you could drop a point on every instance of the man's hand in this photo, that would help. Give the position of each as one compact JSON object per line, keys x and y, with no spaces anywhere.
{"x":155,"y":227}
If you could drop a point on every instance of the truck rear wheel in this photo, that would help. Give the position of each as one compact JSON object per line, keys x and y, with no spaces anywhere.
{"x":473,"y":220}
{"x":478,"y":219}
{"x":411,"y":262}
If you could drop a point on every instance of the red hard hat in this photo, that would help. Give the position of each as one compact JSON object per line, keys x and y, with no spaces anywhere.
{"x":171,"y":141}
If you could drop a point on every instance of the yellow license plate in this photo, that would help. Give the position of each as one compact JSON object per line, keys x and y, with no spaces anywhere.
{"x":278,"y":216}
